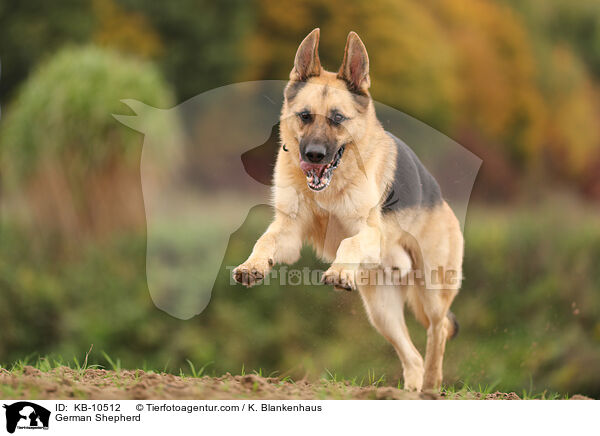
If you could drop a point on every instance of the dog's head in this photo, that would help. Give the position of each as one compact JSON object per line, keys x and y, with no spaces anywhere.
{"x":324,"y":113}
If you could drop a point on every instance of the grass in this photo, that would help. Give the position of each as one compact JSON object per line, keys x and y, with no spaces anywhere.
{"x":195,"y":373}
{"x":369,"y":380}
{"x":330,"y":385}
{"x":465,"y":390}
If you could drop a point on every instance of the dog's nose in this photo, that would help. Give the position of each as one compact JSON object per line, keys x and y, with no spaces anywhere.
{"x":315,"y":152}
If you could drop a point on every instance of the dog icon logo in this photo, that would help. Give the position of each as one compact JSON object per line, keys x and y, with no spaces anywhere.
{"x":208,"y":162}
{"x":26,"y":415}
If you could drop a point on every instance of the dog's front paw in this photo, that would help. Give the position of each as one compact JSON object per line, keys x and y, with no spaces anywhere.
{"x":340,"y":277}
{"x":252,"y":272}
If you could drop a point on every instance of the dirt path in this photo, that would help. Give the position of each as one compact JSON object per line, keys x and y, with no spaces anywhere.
{"x":66,"y":383}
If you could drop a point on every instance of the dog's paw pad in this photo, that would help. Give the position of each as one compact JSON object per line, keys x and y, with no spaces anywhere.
{"x":340,"y":279}
{"x":248,"y":276}
{"x":347,"y":288}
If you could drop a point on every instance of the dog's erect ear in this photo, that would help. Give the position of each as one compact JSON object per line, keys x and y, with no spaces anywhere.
{"x":307,"y":63}
{"x":355,"y":66}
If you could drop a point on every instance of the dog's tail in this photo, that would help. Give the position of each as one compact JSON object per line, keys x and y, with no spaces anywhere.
{"x":453,"y":325}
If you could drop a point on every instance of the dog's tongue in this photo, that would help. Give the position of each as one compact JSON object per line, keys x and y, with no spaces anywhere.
{"x":307,"y":167}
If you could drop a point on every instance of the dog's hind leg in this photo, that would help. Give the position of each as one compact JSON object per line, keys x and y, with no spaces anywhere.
{"x":436,"y":304}
{"x":385,"y":307}
{"x":439,"y":252}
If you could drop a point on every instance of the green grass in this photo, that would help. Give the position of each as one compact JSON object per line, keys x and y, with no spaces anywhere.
{"x":330,"y":385}
{"x":194,"y":373}
{"x":467,"y":391}
{"x":369,"y":380}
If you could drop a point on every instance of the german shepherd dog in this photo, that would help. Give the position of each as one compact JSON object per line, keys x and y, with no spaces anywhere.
{"x":366,"y":203}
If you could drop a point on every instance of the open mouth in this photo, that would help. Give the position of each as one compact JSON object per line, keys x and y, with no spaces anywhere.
{"x":318,"y":177}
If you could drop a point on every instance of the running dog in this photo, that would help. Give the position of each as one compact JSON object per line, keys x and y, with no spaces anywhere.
{"x":367,"y":205}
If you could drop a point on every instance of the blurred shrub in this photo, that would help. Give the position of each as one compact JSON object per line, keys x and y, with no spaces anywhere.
{"x":196,"y":43}
{"x":30,"y":30}
{"x":202,"y":40}
{"x":499,"y":96}
{"x":129,"y":32}
{"x":572,"y":134}
{"x":64,"y":155}
{"x":566,"y":22}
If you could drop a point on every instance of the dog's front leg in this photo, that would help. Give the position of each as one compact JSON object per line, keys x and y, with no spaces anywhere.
{"x":362,"y":249}
{"x":281,"y":243}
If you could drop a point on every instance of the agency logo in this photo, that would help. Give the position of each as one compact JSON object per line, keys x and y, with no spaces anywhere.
{"x":208,"y":162}
{"x":26,"y":415}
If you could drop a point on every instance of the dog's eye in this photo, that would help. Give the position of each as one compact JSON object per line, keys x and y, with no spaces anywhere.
{"x":305,"y":116}
{"x":337,"y":118}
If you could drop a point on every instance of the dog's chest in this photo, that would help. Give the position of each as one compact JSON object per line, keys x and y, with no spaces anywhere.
{"x":325,"y":233}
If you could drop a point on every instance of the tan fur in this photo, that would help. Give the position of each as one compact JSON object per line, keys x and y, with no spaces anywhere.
{"x":345,"y":225}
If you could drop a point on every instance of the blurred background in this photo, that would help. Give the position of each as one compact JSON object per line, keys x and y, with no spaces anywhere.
{"x":515,"y":82}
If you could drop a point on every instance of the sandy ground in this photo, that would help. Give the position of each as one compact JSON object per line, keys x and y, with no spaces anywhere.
{"x":66,"y":383}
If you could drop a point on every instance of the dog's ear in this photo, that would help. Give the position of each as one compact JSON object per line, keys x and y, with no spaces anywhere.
{"x":307,"y":63}
{"x":355,"y":66}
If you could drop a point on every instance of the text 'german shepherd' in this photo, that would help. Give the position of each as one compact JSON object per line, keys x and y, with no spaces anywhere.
{"x":366,"y":203}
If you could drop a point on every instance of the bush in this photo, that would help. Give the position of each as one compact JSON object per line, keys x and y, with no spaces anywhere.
{"x":75,"y":165}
